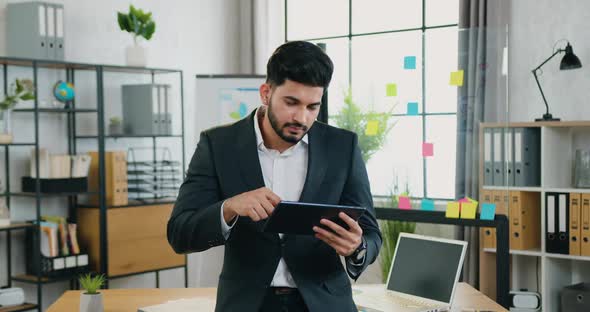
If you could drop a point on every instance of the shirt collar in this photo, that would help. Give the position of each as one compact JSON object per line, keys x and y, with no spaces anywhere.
{"x":260,"y":140}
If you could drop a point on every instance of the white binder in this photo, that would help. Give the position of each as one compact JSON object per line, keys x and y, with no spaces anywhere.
{"x":498,"y":156}
{"x":488,"y":150}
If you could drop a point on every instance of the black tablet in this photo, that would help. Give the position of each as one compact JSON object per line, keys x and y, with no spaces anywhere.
{"x":299,"y":218}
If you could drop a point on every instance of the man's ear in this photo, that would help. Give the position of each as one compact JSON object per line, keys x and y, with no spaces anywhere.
{"x":264,"y":93}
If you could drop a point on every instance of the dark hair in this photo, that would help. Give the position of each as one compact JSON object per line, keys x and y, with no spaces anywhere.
{"x":300,"y":61}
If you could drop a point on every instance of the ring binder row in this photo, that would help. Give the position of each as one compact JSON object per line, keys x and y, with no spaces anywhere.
{"x":35,"y":30}
{"x":568,"y":223}
{"x":146,"y":109}
{"x":512,"y":156}
{"x":524,"y":212}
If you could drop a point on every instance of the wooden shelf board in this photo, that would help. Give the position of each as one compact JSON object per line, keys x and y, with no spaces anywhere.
{"x":22,"y":307}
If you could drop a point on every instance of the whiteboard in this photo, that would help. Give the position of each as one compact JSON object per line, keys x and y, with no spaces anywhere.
{"x":224,"y":99}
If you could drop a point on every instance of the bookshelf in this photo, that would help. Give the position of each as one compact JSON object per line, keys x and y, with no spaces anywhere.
{"x":536,"y":269}
{"x":94,"y":113}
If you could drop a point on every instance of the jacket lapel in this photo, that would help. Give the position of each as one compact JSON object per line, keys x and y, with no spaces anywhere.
{"x":317,"y":162}
{"x":247,"y":153}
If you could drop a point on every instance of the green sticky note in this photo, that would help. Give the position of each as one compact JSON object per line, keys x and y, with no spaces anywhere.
{"x":372,"y":127}
{"x":468,"y":210}
{"x":391,"y":89}
{"x":452,"y":210}
{"x":457,"y":78}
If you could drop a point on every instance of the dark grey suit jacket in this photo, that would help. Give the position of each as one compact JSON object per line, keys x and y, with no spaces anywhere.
{"x":225,"y":164}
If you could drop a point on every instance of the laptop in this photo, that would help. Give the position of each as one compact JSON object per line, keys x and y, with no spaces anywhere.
{"x":424,"y":273}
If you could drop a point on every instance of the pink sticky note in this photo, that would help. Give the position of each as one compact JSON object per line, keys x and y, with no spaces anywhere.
{"x":404,"y":202}
{"x":464,"y":200}
{"x":427,"y":149}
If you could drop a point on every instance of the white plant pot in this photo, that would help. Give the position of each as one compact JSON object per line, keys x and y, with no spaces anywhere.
{"x":136,"y":55}
{"x":91,"y":303}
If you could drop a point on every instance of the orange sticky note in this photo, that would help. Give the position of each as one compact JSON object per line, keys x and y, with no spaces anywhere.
{"x":452,"y":210}
{"x":404,"y":202}
{"x":391,"y":89}
{"x":456,"y":78}
{"x":372,"y":127}
{"x":468,"y":210}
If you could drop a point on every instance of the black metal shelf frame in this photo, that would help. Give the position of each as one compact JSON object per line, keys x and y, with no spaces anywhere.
{"x":438,"y":217}
{"x":70,"y":70}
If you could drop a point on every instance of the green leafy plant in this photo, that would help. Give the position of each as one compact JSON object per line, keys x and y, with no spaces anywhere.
{"x":390,"y":230}
{"x":137,"y":22}
{"x":92,"y":283}
{"x":20,"y":90}
{"x":352,"y":118}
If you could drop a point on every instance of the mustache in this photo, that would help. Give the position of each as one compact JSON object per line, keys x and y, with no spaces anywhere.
{"x":295,"y":124}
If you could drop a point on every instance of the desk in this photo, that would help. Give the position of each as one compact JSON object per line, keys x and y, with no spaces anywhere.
{"x":128,"y":300}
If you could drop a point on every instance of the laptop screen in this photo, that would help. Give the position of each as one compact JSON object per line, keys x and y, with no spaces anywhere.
{"x":425,"y":268}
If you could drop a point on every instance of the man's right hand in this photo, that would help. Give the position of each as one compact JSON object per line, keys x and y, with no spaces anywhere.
{"x":257,"y":204}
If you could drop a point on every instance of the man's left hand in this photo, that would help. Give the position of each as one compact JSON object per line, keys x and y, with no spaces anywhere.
{"x":345,"y":242}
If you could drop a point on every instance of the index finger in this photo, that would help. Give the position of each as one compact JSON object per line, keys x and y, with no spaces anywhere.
{"x":352,"y":224}
{"x":274,"y":198}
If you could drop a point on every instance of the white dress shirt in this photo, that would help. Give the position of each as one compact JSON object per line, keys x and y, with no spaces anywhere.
{"x":284,"y":173}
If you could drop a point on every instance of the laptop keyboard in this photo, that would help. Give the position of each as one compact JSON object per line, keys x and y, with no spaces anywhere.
{"x":409,"y":302}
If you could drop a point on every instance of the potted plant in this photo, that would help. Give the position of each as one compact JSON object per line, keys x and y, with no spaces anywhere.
{"x":139,"y":24}
{"x":91,"y":299}
{"x":115,"y":126}
{"x":20,"y":90}
{"x":352,"y":118}
{"x":390,"y":230}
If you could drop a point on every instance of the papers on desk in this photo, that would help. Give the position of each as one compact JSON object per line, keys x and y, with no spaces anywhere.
{"x":182,"y":305}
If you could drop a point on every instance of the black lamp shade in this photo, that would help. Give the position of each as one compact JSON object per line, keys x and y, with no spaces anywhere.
{"x":569,"y":60}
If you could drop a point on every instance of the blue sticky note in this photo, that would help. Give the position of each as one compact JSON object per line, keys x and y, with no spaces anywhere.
{"x":412,"y":108}
{"x":488,"y":211}
{"x":410,"y":62}
{"x":243,"y":110}
{"x":428,"y":204}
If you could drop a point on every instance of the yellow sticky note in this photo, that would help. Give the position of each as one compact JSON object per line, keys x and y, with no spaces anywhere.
{"x":452,"y":210}
{"x":468,"y":210}
{"x":372,"y":127}
{"x":457,"y":78}
{"x":391,"y":89}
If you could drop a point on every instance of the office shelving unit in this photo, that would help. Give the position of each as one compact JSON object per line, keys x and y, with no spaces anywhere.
{"x":73,"y":198}
{"x":538,"y":269}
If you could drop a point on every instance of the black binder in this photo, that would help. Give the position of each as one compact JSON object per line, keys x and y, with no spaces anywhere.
{"x":557,"y":222}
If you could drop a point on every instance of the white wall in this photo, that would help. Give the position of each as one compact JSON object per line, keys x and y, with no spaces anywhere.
{"x":535,"y":26}
{"x":197,"y":36}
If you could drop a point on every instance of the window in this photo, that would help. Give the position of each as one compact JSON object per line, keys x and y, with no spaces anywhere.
{"x":368,"y":41}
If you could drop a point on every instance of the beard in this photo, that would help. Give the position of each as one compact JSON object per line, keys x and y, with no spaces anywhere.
{"x":280,"y":129}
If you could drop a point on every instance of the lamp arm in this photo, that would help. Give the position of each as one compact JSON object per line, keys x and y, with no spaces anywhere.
{"x":537,"y":79}
{"x":549,"y":58}
{"x":540,"y":89}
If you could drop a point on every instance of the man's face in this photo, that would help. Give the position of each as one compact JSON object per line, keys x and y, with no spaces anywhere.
{"x":292,"y":109}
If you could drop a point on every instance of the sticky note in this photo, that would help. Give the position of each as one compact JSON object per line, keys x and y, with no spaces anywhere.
{"x":372,"y":126}
{"x":427,"y":149}
{"x":404,"y":202}
{"x":452,"y":210}
{"x":391,"y":89}
{"x":410,"y":62}
{"x":468,"y":210}
{"x":243,"y":109}
{"x":488,"y":211}
{"x":428,"y":204}
{"x":413,"y":108}
{"x":457,"y":78}
{"x":463,"y":200}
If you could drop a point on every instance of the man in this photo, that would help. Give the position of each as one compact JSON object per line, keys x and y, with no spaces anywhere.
{"x":240,"y":172}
